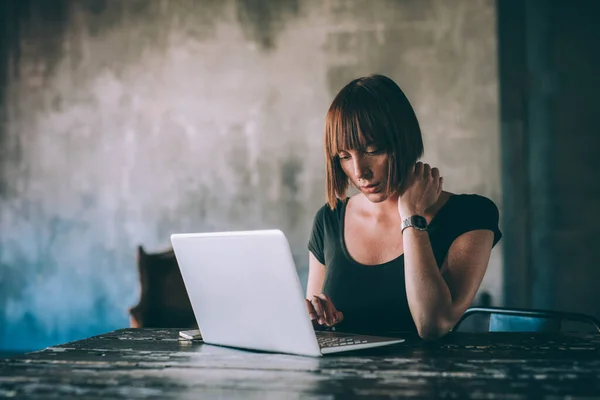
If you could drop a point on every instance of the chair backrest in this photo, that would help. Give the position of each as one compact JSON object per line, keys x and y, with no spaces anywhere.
{"x":164,"y":302}
{"x":515,"y":323}
{"x":523,"y":320}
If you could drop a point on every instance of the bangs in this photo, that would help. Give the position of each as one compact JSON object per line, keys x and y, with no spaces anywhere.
{"x":371,"y":110}
{"x":354,"y":121}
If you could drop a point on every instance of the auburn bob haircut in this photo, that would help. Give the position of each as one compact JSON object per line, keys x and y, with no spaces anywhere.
{"x":371,"y":110}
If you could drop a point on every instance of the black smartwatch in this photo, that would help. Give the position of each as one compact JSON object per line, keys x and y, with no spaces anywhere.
{"x":416,"y":221}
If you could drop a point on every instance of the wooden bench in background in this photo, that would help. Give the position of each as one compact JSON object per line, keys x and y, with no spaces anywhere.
{"x":164,"y":302}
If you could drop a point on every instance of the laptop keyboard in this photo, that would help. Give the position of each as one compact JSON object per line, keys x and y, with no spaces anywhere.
{"x":334,"y":339}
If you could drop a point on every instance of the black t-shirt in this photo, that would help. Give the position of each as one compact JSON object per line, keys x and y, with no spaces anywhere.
{"x":373,"y":298}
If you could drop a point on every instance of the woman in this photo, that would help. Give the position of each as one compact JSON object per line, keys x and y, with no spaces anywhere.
{"x":401,"y":255}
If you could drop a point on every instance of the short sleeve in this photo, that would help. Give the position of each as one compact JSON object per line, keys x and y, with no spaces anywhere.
{"x":479,"y":213}
{"x":316,"y":241}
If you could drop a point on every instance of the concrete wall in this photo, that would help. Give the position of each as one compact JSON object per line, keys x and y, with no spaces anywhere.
{"x":125,"y":121}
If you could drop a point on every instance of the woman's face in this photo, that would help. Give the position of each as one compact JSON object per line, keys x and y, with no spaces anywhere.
{"x":367,"y":169}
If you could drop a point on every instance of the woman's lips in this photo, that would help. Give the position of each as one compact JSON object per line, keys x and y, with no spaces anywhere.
{"x":370,"y":188}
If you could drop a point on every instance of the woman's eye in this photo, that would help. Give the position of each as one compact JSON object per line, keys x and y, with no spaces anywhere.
{"x":373,"y":151}
{"x":344,"y":157}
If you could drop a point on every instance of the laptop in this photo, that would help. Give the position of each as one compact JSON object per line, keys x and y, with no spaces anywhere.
{"x":246,"y":293}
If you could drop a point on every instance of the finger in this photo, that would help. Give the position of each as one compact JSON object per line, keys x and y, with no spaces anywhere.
{"x":316,"y":303}
{"x":440,"y":188}
{"x":419,"y":168}
{"x":426,"y":170}
{"x":340,"y":317}
{"x":435,"y":173}
{"x":329,"y":308}
{"x":311,"y":311}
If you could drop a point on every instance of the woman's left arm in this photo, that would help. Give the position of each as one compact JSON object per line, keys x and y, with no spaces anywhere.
{"x":437,"y":298}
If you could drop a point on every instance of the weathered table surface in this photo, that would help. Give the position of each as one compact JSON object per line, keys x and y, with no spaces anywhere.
{"x":155,"y":363}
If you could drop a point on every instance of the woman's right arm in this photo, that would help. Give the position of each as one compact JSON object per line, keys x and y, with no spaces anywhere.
{"x":316,"y":276}
{"x":320,"y":308}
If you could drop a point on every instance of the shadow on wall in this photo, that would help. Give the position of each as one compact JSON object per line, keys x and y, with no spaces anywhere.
{"x":15,"y":23}
{"x":261,"y":21}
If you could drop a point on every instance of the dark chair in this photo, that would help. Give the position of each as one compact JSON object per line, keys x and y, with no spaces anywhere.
{"x":522,"y":320}
{"x":164,"y":302}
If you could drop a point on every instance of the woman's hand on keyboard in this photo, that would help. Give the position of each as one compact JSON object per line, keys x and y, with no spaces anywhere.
{"x":322,"y":311}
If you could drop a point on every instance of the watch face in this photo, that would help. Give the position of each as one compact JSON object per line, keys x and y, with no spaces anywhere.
{"x":419,"y":222}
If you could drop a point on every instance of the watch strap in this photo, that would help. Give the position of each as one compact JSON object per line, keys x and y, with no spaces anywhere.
{"x":415,"y":221}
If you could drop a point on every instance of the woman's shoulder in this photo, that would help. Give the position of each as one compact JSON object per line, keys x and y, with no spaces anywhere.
{"x":325,"y":224}
{"x":325,"y":212}
{"x":473,"y":204}
{"x":467,"y":211}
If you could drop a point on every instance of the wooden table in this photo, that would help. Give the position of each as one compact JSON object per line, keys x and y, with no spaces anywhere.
{"x":154,"y":363}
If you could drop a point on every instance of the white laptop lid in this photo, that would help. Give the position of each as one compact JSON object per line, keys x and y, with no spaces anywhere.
{"x":245,"y":291}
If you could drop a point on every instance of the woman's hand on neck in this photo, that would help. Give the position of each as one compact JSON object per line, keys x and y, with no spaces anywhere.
{"x":421,"y":191}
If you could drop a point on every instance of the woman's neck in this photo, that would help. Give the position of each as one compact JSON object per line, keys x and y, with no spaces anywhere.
{"x":380,"y":211}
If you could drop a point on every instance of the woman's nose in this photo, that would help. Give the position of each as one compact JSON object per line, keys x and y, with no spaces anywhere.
{"x":361,"y":168}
